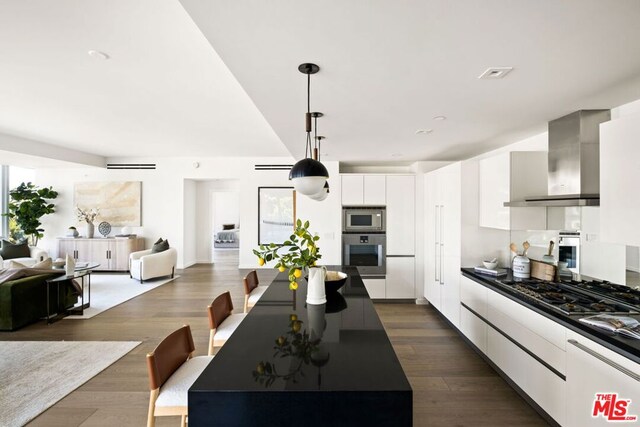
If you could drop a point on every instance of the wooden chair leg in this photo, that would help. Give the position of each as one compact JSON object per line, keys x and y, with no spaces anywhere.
{"x":183,"y":421}
{"x":151,"y":421}
{"x":246,"y":303}
{"x":212,"y":332}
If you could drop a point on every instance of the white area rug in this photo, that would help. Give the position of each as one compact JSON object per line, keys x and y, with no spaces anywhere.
{"x":34,"y":375}
{"x":109,"y":290}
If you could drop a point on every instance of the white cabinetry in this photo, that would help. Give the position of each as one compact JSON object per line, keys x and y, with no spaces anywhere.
{"x":473,"y":298}
{"x":401,"y":219}
{"x":400,"y":277}
{"x":591,"y":369}
{"x":619,"y":179}
{"x":376,"y":288}
{"x":508,"y":177}
{"x":363,"y":190}
{"x":442,"y":240}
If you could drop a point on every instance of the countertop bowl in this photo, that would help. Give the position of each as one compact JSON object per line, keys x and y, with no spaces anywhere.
{"x":490,"y":265}
{"x":333,"y":281}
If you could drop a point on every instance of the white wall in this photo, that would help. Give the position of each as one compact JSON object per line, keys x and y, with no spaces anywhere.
{"x":164,"y":210}
{"x":189,"y":223}
{"x":226,"y":209}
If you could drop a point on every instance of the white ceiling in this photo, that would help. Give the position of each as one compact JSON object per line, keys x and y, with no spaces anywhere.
{"x":164,"y":92}
{"x":388,"y":67}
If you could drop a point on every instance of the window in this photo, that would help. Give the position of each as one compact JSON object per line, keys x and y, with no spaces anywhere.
{"x":10,"y":177}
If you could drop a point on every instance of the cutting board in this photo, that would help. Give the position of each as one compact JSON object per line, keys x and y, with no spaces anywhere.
{"x":543,"y":271}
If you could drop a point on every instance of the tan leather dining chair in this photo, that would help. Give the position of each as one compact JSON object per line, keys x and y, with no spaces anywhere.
{"x":172,"y":370}
{"x":252,"y":290}
{"x":222,"y":321}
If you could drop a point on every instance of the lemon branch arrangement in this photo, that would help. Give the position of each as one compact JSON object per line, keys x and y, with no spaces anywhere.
{"x":299,"y":252}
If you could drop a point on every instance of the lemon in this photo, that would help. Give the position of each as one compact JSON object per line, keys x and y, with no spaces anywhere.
{"x":260,"y":261}
{"x":298,"y":273}
{"x":293,"y":286}
{"x":260,"y":368}
{"x":293,"y":317}
{"x":282,"y":268}
{"x":281,"y":340}
{"x":297,"y":325}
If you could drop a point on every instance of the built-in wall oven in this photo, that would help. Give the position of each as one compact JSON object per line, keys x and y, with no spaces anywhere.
{"x":569,"y":249}
{"x":365,"y":251}
{"x":368,"y":220}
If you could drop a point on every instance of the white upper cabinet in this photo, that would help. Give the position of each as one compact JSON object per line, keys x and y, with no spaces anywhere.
{"x":352,"y":190}
{"x":619,"y":179}
{"x":508,"y":177}
{"x":363,"y":190}
{"x":401,"y":206}
{"x":375,"y":193}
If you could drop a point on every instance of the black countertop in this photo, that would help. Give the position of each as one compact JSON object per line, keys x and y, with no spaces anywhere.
{"x":353,"y":353}
{"x":627,"y":347}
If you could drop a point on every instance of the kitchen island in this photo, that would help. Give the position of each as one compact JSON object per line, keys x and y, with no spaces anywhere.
{"x":291,"y":364}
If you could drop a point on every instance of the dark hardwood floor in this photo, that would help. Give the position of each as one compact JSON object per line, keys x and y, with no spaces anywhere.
{"x":452,"y":385}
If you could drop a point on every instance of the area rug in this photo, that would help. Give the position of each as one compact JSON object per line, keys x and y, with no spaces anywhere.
{"x":34,"y":375}
{"x":110,"y":290}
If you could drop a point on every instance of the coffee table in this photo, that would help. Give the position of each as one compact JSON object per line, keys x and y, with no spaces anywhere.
{"x":81,"y":272}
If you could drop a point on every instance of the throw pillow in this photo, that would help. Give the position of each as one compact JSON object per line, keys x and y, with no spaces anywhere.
{"x":14,"y":264}
{"x":44,"y":264}
{"x":160,"y":246}
{"x":228,"y":226}
{"x":11,"y":251}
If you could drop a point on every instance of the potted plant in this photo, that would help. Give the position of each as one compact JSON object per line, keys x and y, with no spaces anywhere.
{"x":300,"y":252}
{"x":28,"y":203}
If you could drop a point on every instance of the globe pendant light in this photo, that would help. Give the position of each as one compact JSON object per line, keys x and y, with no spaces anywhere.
{"x":308,"y":175}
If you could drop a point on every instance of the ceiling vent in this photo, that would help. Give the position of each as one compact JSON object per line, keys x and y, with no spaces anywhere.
{"x":144,"y":166}
{"x":495,"y":73}
{"x":273,"y":167}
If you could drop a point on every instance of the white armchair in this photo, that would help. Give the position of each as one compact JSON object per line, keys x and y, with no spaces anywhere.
{"x":145,"y":265}
{"x":35,"y":256}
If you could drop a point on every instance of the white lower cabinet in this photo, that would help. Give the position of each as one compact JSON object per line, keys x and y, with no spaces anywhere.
{"x":473,"y":328}
{"x":401,"y":281}
{"x":375,"y":287}
{"x":593,"y":369}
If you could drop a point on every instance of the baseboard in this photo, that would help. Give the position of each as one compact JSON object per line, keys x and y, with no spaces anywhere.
{"x":635,"y":270}
{"x":187,"y":265}
{"x":204,"y":261}
{"x":422,"y":301}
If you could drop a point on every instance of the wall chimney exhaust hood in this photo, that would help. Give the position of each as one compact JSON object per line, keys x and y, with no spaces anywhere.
{"x":574,"y":161}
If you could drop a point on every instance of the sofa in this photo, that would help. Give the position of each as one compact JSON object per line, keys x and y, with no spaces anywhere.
{"x":35,"y":255}
{"x":145,"y":265}
{"x":24,"y":301}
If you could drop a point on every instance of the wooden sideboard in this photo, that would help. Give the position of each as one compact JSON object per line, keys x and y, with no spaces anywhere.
{"x":111,"y":253}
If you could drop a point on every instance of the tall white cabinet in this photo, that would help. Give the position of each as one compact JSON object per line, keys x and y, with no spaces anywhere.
{"x":619,"y":179}
{"x":442,"y":240}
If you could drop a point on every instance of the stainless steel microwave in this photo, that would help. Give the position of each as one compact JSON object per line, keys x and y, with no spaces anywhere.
{"x":370,"y":220}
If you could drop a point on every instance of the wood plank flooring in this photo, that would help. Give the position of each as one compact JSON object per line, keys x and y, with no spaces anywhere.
{"x":452,"y":385}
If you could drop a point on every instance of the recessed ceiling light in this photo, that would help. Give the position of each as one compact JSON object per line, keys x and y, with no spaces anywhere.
{"x":423,"y":131}
{"x":495,"y":72}
{"x":98,"y":55}
{"x":439,"y":118}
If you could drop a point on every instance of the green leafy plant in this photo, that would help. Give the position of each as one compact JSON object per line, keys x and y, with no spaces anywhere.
{"x":299,"y":252}
{"x":28,"y":203}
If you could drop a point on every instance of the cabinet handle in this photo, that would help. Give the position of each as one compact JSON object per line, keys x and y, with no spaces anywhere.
{"x":441,"y":246}
{"x":606,"y":360}
{"x":437,"y":244}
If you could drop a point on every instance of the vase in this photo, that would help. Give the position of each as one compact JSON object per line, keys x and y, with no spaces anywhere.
{"x":315,"y":286}
{"x":90,"y":230}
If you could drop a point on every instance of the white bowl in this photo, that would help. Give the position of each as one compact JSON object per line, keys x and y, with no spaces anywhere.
{"x":490,"y":265}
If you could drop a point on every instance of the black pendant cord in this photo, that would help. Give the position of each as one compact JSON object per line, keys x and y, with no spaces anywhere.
{"x":307,"y":149}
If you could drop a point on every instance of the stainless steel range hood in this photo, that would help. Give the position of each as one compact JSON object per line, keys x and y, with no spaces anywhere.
{"x":574,"y":161}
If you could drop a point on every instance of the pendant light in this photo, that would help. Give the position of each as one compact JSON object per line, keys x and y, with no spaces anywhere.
{"x":308,"y":175}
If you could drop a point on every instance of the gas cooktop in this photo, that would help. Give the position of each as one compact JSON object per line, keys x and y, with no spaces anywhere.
{"x":580,"y":298}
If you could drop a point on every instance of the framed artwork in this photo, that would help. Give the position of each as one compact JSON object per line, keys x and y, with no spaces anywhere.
{"x":276,"y":214}
{"x":118,"y":201}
